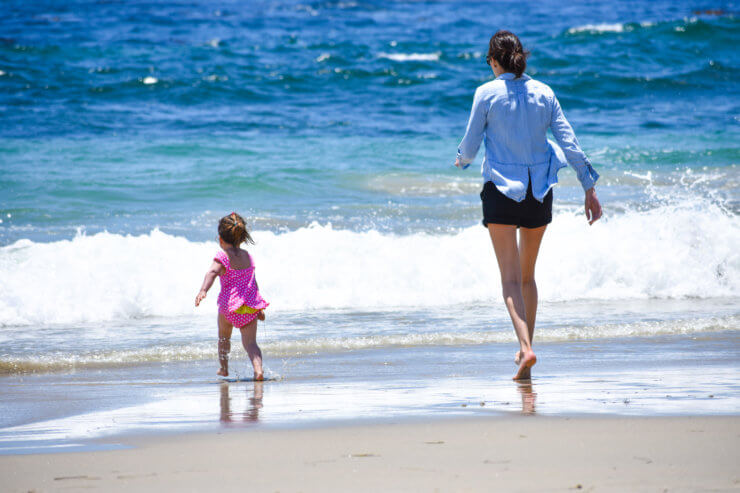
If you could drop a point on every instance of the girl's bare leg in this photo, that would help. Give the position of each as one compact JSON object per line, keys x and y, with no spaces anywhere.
{"x":224,"y":344}
{"x":529,"y":247}
{"x":503,"y":237}
{"x":249,"y":340}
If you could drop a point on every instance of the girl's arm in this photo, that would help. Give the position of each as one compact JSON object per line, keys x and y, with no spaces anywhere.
{"x":214,"y":271}
{"x":261,"y":313}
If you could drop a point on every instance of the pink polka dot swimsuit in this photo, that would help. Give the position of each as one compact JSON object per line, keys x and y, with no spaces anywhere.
{"x":238,"y":289}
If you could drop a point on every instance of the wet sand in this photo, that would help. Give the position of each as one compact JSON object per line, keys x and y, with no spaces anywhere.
{"x":511,"y":453}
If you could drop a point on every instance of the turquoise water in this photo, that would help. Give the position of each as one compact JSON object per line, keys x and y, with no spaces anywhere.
{"x":127,"y":129}
{"x":126,"y":118}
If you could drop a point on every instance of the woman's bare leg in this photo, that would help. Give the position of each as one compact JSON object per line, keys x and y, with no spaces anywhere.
{"x":224,"y":344}
{"x":529,"y":247}
{"x":249,"y":340}
{"x":503,"y":237}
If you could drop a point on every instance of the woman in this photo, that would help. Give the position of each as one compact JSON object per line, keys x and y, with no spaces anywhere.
{"x":513,"y":113}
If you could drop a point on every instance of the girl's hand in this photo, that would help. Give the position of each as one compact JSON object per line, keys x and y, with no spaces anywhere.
{"x":200,"y":297}
{"x":592,"y":205}
{"x":458,"y":163}
{"x":261,"y":315}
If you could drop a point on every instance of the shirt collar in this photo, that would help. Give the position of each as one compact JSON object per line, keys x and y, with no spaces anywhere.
{"x":511,"y":76}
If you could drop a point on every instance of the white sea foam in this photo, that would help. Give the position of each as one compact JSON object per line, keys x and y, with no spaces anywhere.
{"x":598,"y":28}
{"x":616,"y":27}
{"x":431,"y":186}
{"x":150,"y":80}
{"x":687,"y":249}
{"x":286,"y":347}
{"x":411,"y":57}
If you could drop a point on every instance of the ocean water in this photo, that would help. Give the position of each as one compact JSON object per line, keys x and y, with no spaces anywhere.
{"x":127,"y":129}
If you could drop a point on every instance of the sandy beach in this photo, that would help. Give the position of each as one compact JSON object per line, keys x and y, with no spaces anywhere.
{"x":479,"y":454}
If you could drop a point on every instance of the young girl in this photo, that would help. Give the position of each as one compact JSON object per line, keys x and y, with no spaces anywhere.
{"x":239,"y":302}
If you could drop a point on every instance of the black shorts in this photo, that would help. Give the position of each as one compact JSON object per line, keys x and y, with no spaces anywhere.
{"x":500,"y":209}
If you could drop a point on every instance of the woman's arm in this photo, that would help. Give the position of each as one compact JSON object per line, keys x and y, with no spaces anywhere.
{"x":566,"y":138}
{"x":592,"y":205}
{"x":470,"y":143}
{"x":587,"y":175}
{"x":214,"y":271}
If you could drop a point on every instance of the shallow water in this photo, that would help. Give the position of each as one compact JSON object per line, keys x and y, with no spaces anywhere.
{"x":665,"y":376}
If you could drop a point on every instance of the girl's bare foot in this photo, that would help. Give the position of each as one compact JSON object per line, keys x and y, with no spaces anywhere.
{"x":223,"y":372}
{"x":527,"y":361}
{"x":258,"y":377}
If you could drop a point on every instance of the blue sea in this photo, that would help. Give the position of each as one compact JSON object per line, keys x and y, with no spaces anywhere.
{"x":128,"y":128}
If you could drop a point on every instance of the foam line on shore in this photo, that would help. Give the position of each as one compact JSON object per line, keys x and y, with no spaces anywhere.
{"x":286,"y":347}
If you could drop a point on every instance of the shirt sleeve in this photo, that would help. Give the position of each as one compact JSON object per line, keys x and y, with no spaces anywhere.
{"x":470,"y":143}
{"x":566,"y":139}
{"x":222,"y":259}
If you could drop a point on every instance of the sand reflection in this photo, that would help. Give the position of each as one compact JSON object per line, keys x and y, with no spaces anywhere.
{"x":251,"y":411}
{"x":529,"y":396}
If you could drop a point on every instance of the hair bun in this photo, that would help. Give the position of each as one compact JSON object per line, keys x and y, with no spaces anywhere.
{"x":507,"y":50}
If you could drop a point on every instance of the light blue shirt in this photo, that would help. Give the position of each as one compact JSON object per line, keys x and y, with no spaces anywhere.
{"x":512,"y":116}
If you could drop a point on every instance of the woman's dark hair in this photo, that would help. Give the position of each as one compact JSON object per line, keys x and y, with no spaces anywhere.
{"x":233,"y":231}
{"x":507,"y":50}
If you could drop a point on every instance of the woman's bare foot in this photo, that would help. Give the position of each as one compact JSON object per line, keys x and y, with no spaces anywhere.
{"x":517,"y":357}
{"x":223,"y":372}
{"x":527,"y":361}
{"x":258,"y":377}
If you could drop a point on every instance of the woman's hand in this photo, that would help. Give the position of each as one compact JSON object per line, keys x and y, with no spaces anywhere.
{"x":458,"y":163}
{"x":261,"y":315}
{"x":201,"y":296}
{"x":593,"y":207}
